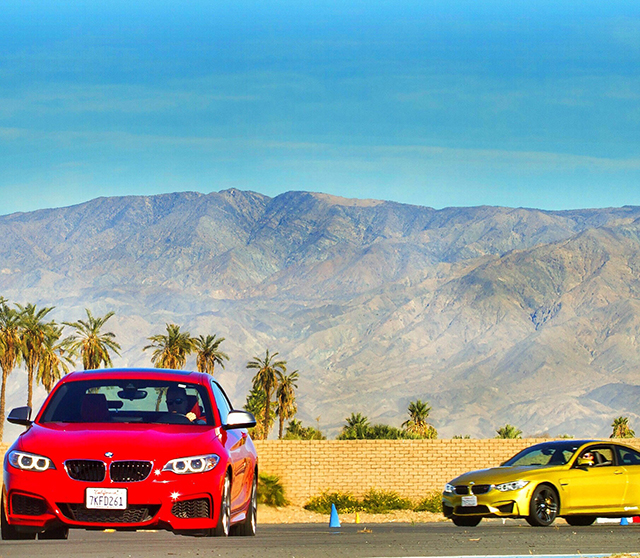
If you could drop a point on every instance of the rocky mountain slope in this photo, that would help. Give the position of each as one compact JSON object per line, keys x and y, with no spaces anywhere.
{"x":492,"y":314}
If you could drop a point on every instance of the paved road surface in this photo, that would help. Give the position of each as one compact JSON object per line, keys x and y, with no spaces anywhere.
{"x":350,"y":541}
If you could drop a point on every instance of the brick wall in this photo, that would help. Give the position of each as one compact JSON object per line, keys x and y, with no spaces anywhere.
{"x":412,"y":468}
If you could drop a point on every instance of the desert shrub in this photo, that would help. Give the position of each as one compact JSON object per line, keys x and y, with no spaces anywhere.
{"x":431,"y":503}
{"x":381,"y":501}
{"x":271,"y":491}
{"x":344,"y":502}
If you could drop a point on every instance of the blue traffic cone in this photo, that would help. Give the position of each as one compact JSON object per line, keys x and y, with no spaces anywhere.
{"x":333,"y":520}
{"x":623,"y":521}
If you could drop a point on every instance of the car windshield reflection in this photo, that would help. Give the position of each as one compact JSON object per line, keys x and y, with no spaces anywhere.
{"x":130,"y":401}
{"x":544,"y":455}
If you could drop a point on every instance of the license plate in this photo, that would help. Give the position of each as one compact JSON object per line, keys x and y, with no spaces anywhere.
{"x":469,"y":501}
{"x":106,"y":498}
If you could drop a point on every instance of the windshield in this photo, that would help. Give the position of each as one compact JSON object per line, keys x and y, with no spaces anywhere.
{"x":543,"y":455}
{"x":129,"y":401}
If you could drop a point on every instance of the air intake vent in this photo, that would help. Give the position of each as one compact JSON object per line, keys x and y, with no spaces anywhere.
{"x":27,"y":505}
{"x":191,"y":509}
{"x":133,"y":514}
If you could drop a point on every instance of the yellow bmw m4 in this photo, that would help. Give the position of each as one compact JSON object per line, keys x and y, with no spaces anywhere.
{"x":577,"y":480}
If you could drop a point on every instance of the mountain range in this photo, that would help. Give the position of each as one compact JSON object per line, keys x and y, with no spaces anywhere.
{"x":493,"y":315}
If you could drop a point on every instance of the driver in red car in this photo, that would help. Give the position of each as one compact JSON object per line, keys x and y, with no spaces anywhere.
{"x":177,"y":402}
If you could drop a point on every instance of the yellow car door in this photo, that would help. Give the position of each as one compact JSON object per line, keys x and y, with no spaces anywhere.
{"x":629,"y":459}
{"x":594,"y":483}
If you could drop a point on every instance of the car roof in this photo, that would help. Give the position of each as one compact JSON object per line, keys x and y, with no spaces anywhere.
{"x":138,"y":373}
{"x":577,"y":443}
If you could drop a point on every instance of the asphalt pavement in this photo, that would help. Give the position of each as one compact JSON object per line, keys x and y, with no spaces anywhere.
{"x":349,"y":541}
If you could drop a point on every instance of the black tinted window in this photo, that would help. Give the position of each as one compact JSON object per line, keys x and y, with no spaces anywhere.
{"x":627,"y":456}
{"x":224,"y":406}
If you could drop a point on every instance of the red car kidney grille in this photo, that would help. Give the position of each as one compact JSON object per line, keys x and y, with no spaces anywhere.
{"x":130,"y":471}
{"x":86,"y":470}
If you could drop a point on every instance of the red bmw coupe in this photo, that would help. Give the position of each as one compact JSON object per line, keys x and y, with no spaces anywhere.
{"x":131,"y":449}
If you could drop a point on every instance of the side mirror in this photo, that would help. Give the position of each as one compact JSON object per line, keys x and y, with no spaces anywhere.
{"x":21,"y":416}
{"x":239,"y":419}
{"x":585,"y":463}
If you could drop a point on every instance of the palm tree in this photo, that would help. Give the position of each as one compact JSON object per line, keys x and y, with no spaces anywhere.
{"x":55,"y":357}
{"x":171,"y":350}
{"x":417,"y":423}
{"x":286,"y":398}
{"x":93,"y":345}
{"x":255,"y":404}
{"x":356,"y":427}
{"x":9,"y":350}
{"x":33,"y":332}
{"x":621,"y":428}
{"x":209,"y":353}
{"x":509,"y":431}
{"x":266,"y":380}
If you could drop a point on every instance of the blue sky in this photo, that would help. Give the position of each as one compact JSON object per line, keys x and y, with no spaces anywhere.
{"x":448,"y":103}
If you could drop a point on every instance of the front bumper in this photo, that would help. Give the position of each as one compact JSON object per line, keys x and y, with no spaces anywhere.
{"x":513,"y":503}
{"x":35,"y":501}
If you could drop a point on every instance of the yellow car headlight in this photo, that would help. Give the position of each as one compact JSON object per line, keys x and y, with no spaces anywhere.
{"x":515,"y":485}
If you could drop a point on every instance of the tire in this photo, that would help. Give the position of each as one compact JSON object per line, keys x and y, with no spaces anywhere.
{"x":224,"y":521}
{"x":466,"y":521}
{"x":9,"y":532}
{"x":54,"y":533}
{"x":580,"y":520}
{"x":543,"y":507}
{"x":248,"y":527}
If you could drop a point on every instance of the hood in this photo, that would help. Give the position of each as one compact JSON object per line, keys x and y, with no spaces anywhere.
{"x":151,"y":442}
{"x":497,"y":475}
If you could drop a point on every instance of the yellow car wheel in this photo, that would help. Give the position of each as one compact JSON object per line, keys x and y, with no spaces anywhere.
{"x":543,"y":507}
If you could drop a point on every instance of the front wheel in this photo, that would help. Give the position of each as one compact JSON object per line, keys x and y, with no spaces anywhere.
{"x":224,"y":521}
{"x":466,"y":521}
{"x":543,"y":507}
{"x":54,"y":533}
{"x":248,"y":527}
{"x":9,"y":532}
{"x":580,"y":520}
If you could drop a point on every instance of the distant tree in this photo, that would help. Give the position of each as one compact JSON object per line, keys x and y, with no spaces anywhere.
{"x":9,"y":350}
{"x":461,"y":437}
{"x":266,"y":379}
{"x":33,"y":332}
{"x":286,"y":399}
{"x":171,"y":350}
{"x":386,"y":432}
{"x":355,"y":428}
{"x":417,"y":423}
{"x":509,"y":431}
{"x":256,"y":404}
{"x":55,"y":359}
{"x":295,"y":431}
{"x":621,"y":428}
{"x":93,"y":345}
{"x":209,"y":353}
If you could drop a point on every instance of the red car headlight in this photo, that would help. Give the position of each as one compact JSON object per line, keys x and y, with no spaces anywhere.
{"x":30,"y":461}
{"x":190,"y":465}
